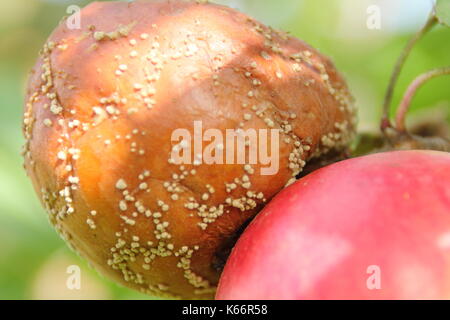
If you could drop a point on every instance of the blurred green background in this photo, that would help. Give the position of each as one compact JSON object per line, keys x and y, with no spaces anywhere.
{"x":33,"y":259}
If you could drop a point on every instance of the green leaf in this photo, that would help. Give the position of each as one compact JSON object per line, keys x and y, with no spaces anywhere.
{"x":443,"y":12}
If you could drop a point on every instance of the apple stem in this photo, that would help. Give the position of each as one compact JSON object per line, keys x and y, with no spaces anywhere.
{"x":385,"y":122}
{"x":411,"y":91}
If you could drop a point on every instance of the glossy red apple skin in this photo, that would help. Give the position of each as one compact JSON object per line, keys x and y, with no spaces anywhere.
{"x":325,"y":237}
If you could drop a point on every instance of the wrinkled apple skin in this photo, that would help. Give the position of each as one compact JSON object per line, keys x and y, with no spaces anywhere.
{"x":374,"y":227}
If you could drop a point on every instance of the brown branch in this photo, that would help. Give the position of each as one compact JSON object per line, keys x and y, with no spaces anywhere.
{"x":385,"y":122}
{"x":411,"y":91}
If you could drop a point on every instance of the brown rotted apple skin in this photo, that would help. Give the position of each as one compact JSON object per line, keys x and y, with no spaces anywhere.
{"x":102,"y":103}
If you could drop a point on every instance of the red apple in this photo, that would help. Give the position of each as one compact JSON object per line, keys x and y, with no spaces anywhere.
{"x":374,"y":227}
